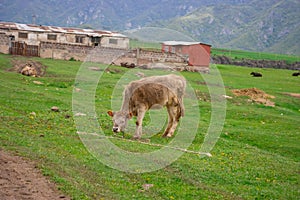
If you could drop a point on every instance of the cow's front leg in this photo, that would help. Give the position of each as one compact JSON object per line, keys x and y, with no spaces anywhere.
{"x":139,"y":122}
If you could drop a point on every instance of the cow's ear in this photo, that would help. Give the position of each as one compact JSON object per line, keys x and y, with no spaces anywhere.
{"x":130,"y":115}
{"x":110,"y":113}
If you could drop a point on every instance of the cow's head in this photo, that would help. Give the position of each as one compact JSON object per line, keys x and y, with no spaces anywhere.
{"x":120,"y":120}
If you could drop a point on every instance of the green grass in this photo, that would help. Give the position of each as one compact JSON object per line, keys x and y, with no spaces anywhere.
{"x":239,"y":54}
{"x":256,"y":157}
{"x":146,"y":45}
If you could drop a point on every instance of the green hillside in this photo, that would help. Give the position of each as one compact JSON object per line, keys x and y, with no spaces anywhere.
{"x":256,"y":157}
{"x":253,"y":26}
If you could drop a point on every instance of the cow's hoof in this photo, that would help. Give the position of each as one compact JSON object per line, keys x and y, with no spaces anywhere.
{"x":167,"y":135}
{"x":136,"y":137}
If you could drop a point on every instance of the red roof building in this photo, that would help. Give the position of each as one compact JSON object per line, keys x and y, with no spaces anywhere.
{"x":197,"y":54}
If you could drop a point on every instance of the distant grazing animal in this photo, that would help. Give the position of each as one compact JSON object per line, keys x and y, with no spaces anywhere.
{"x":127,"y":65}
{"x":296,"y":73}
{"x":256,"y":74}
{"x":151,"y":93}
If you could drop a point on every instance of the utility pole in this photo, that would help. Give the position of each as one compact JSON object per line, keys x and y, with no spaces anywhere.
{"x":34,"y":19}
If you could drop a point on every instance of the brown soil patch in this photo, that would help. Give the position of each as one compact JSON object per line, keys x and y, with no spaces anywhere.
{"x":255,"y":95}
{"x":19,"y":64}
{"x":20,"y":179}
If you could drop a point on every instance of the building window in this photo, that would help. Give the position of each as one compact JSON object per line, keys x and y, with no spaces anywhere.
{"x":113,"y":41}
{"x":95,"y":39}
{"x":23,"y":35}
{"x":166,"y":48}
{"x":173,"y":49}
{"x":79,"y":39}
{"x":51,"y":37}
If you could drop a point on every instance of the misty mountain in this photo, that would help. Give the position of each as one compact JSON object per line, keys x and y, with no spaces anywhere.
{"x":272,"y":26}
{"x":269,"y":25}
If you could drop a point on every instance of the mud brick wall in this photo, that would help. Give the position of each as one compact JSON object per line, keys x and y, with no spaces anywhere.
{"x":144,"y":57}
{"x":63,"y":51}
{"x":106,"y":55}
{"x":80,"y":52}
{"x":155,"y":56}
{"x":4,"y":43}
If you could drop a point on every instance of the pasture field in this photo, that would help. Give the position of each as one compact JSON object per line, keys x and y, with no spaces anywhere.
{"x":239,"y":54}
{"x":256,"y":157}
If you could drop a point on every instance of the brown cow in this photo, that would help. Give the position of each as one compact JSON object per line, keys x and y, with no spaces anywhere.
{"x":150,"y":93}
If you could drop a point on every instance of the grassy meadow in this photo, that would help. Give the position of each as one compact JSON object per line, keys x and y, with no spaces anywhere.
{"x":256,"y":157}
{"x":238,"y":55}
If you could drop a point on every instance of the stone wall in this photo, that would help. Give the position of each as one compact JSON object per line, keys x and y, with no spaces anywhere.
{"x":156,"y":56}
{"x":107,"y":55}
{"x":80,"y":52}
{"x":146,"y":57}
{"x":63,"y":51}
{"x":4,"y":43}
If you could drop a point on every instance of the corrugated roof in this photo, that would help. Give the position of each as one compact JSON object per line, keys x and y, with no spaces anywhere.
{"x":8,"y":25}
{"x":174,"y":43}
{"x":55,"y":29}
{"x":182,"y":43}
{"x":29,"y":28}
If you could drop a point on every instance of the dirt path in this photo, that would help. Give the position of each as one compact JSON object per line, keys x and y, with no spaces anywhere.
{"x":20,"y":179}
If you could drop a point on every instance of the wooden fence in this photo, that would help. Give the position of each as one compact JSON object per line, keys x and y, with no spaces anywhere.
{"x":20,"y":48}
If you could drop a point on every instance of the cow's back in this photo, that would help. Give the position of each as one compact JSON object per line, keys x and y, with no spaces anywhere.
{"x":155,"y":90}
{"x":175,"y":83}
{"x":150,"y":95}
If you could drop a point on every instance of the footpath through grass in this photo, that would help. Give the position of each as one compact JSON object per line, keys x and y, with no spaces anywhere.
{"x":256,"y":157}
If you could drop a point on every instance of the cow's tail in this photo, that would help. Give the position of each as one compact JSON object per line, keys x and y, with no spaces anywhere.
{"x":181,"y":106}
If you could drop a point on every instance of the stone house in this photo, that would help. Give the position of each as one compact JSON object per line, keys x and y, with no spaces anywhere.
{"x":56,"y":42}
{"x":97,"y":46}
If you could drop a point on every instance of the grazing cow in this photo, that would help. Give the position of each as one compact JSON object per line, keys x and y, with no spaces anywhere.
{"x":296,"y":74}
{"x":151,"y":93}
{"x":256,"y":74}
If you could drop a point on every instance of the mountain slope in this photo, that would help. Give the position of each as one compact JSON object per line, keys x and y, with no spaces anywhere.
{"x":269,"y":25}
{"x":116,"y":14}
{"x":258,"y":25}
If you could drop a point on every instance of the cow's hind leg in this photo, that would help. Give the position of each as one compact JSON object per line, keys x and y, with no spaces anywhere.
{"x":176,"y":120}
{"x":172,"y":113}
{"x":174,"y":116}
